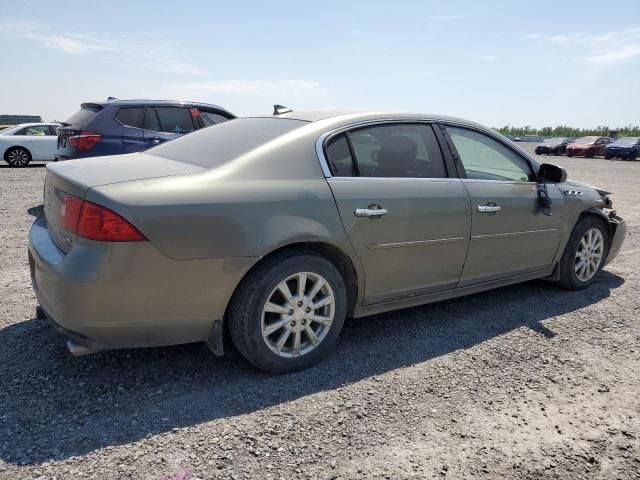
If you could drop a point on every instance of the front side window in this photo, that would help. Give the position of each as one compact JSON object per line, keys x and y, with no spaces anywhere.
{"x":131,"y":117}
{"x":175,"y":120}
{"x":400,"y":150}
{"x":485,"y":158}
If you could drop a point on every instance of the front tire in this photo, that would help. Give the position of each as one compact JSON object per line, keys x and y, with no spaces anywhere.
{"x":288,"y":312}
{"x":632,"y":156}
{"x":585,"y":253}
{"x":18,"y":157}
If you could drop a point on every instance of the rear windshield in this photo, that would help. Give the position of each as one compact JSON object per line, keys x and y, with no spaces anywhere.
{"x":218,"y":144}
{"x":83,"y":116}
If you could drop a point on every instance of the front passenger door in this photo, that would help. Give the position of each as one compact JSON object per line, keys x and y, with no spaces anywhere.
{"x":510,"y":234}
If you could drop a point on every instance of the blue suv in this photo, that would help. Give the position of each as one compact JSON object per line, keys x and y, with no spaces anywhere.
{"x":126,"y":126}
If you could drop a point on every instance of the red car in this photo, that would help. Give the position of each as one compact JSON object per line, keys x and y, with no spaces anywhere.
{"x":588,"y":147}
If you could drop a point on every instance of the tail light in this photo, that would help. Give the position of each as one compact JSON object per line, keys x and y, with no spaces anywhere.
{"x":95,"y":222}
{"x":85,"y":140}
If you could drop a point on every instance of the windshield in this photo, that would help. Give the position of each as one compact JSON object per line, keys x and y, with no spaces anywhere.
{"x":554,"y":140}
{"x":586,"y":140}
{"x":628,"y":140}
{"x":213,"y":146}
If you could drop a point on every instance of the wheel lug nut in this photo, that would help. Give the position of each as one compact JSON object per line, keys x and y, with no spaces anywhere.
{"x":307,"y":309}
{"x":291,"y":312}
{"x":293,"y":323}
{"x":299,"y":304}
{"x":303,"y":322}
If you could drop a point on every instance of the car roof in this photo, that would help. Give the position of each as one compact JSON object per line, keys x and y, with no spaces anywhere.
{"x":340,"y":116}
{"x":35,"y":124}
{"x":145,"y":101}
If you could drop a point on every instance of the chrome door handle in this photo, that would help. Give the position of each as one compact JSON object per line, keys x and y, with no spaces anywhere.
{"x":489,"y":208}
{"x":370,"y":212}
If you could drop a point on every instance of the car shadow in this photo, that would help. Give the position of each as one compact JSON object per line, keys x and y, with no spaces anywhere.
{"x":36,"y":211}
{"x":31,"y":165}
{"x":55,"y":406}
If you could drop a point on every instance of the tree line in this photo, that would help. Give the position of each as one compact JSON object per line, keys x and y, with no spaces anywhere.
{"x":567,"y":131}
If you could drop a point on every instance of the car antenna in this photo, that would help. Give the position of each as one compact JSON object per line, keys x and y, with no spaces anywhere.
{"x":111,"y":99}
{"x":280,"y":109}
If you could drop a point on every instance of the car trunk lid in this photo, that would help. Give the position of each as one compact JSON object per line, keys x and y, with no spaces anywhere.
{"x":76,"y":177}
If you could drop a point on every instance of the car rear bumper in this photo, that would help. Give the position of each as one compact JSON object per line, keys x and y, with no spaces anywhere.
{"x":123,"y":295}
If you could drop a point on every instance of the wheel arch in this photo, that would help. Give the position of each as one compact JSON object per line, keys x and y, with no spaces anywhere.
{"x":599,"y":214}
{"x":8,"y":149}
{"x":343,"y":262}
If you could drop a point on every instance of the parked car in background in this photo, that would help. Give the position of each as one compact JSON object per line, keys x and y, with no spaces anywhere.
{"x":626,"y":148}
{"x":553,"y":146}
{"x":277,"y":228}
{"x":20,"y":144}
{"x":126,"y":126}
{"x":588,"y":146}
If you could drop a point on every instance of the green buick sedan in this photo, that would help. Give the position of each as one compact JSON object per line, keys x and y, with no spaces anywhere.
{"x":278,"y":228}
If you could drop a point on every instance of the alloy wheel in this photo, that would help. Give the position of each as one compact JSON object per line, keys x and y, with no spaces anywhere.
{"x":18,"y":157}
{"x":589,"y":254}
{"x":298,"y":314}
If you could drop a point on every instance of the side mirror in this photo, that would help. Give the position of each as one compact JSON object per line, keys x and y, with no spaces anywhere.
{"x":551,"y":173}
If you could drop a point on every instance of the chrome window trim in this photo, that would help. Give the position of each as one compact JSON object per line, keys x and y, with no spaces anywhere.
{"x":326,"y":170}
{"x":501,"y":182}
{"x":392,"y":179}
{"x":324,"y":164}
{"x":533,"y":163}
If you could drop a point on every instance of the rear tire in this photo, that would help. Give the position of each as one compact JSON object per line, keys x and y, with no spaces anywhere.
{"x":273,"y":320}
{"x":18,"y":157}
{"x":585,"y":254}
{"x":632,"y":156}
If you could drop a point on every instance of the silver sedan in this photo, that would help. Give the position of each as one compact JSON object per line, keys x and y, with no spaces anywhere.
{"x":277,"y":228}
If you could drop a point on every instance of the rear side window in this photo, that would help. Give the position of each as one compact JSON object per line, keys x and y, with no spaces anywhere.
{"x":211,"y":118}
{"x":175,"y":120}
{"x":401,"y":150}
{"x":211,"y":147}
{"x":152,"y":122}
{"x":52,"y":130}
{"x":339,"y":157}
{"x":131,"y":117}
{"x":83,"y":116}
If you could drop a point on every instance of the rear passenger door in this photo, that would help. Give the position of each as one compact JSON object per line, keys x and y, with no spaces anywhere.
{"x":164,"y":123}
{"x":131,"y":120}
{"x":407,"y":218}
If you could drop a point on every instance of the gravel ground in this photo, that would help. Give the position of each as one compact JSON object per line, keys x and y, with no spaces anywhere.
{"x":528,"y":381}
